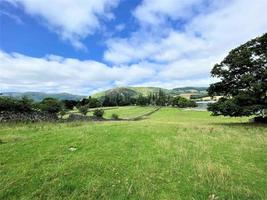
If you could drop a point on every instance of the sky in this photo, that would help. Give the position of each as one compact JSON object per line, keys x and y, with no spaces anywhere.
{"x":86,"y":46}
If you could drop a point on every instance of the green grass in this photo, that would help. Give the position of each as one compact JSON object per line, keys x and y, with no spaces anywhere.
{"x":172,"y":154}
{"x":125,"y":112}
{"x":128,"y":111}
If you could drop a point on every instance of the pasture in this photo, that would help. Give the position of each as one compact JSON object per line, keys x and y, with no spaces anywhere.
{"x":171,"y":154}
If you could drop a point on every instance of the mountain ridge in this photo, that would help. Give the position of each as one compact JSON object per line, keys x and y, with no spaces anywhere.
{"x":39,"y":96}
{"x":145,"y":91}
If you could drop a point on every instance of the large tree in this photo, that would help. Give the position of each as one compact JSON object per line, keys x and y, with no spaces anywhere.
{"x":243,"y":80}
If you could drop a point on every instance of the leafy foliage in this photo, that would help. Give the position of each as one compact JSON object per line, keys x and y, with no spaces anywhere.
{"x":23,"y":105}
{"x":89,"y":102}
{"x":114,"y":116}
{"x":83,"y":109}
{"x":51,"y":105}
{"x":243,"y":80}
{"x":98,"y":113}
{"x":182,"y":102}
{"x":69,"y":104}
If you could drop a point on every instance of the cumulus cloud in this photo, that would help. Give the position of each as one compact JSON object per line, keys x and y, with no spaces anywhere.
{"x":155,"y":12}
{"x":209,"y":32}
{"x":176,"y":44}
{"x":169,"y":48}
{"x":188,"y":52}
{"x":56,"y":74}
{"x":72,"y":20}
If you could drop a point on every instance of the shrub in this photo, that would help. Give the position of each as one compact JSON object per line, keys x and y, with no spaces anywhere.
{"x":83,"y":109}
{"x":93,"y":102}
{"x":69,"y":104}
{"x":51,"y":105}
{"x":98,"y":113}
{"x":23,"y":105}
{"x":182,"y":102}
{"x":114,"y":116}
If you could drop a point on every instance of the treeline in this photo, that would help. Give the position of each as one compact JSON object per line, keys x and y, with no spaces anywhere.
{"x":153,"y":99}
{"x":26,"y":105}
{"x":51,"y":105}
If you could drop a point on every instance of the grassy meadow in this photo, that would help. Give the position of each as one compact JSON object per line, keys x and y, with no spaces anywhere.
{"x":171,"y":154}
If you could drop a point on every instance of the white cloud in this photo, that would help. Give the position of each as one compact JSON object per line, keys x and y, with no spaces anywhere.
{"x":73,"y":20}
{"x":211,"y":30}
{"x":157,"y":54}
{"x":11,"y":16}
{"x":53,"y":73}
{"x":120,"y":27}
{"x":155,"y":12}
{"x":170,"y":48}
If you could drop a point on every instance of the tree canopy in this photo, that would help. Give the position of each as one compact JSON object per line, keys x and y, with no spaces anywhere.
{"x":243,"y":80}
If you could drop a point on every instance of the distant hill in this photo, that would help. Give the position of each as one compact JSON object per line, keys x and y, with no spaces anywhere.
{"x":39,"y":96}
{"x":201,"y":90}
{"x":145,"y":91}
{"x":126,"y":91}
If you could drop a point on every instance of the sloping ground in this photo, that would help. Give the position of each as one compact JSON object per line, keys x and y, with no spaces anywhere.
{"x":130,"y":91}
{"x":145,"y":91}
{"x":128,"y":112}
{"x":173,"y":154}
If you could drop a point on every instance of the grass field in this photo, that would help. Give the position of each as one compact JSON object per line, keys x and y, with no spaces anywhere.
{"x":128,"y":112}
{"x":171,"y":154}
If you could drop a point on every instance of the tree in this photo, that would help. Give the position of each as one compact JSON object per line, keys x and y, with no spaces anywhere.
{"x":98,"y":113}
{"x":51,"y":105}
{"x":83,"y":109}
{"x":24,"y":105}
{"x":69,"y":104}
{"x":182,"y":102}
{"x":243,"y":80}
{"x":142,"y":100}
{"x":93,"y":102}
{"x":83,"y":102}
{"x":161,"y":98}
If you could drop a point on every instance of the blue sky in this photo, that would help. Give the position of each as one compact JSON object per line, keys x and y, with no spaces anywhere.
{"x":87,"y":46}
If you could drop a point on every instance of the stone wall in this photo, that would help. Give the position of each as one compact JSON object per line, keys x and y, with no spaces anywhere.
{"x":7,"y":116}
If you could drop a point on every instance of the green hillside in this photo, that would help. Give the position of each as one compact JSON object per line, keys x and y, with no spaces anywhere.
{"x":145,"y":91}
{"x":200,"y":90}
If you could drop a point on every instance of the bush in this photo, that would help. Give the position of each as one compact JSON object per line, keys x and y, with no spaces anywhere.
{"x":115,"y":116}
{"x":98,"y":113}
{"x":83,"y":109}
{"x":23,"y":105}
{"x":51,"y":105}
{"x":93,"y":102}
{"x":69,"y":104}
{"x":182,"y":102}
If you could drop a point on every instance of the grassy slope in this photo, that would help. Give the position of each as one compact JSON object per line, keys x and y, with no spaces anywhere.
{"x":128,"y":112}
{"x":148,"y":90}
{"x":172,"y":155}
{"x":138,"y":90}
